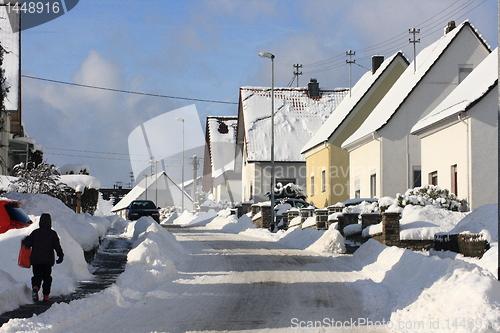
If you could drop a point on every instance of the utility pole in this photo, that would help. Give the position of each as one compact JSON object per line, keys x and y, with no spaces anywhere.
{"x":350,"y":53}
{"x":296,"y":72}
{"x":414,"y":42}
{"x":196,"y":164}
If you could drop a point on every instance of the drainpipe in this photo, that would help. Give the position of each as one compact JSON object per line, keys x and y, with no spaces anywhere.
{"x":466,"y":123}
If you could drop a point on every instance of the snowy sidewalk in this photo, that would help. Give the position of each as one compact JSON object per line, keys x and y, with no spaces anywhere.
{"x":109,"y":262}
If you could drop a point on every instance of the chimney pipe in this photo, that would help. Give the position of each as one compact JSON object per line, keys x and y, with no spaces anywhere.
{"x":377,"y":60}
{"x":313,"y":88}
{"x":451,"y":25}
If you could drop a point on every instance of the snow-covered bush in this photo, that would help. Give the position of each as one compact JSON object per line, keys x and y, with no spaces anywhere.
{"x":42,"y":178}
{"x":431,"y":195}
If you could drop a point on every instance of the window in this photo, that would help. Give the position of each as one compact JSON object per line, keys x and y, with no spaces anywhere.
{"x":373,"y":185}
{"x":357,"y":189}
{"x":454,"y":179}
{"x":323,"y":181}
{"x":433,"y":178}
{"x":312,"y":185}
{"x":417,"y":176}
{"x":463,"y":71}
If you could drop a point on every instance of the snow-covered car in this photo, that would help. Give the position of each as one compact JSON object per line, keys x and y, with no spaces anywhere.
{"x":357,"y":201}
{"x":140,"y":208}
{"x":12,"y":216}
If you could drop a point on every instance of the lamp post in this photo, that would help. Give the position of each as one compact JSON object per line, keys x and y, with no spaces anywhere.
{"x":271,"y":56}
{"x":182,"y":184}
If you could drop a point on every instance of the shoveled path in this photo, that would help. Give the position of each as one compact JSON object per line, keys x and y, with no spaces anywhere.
{"x":109,"y":262}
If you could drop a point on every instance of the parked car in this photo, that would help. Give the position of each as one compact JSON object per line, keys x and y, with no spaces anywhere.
{"x":357,"y":201}
{"x":12,"y":216}
{"x":140,"y":208}
{"x":295,"y":203}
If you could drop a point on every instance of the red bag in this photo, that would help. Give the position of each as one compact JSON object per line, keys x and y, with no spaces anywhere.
{"x":24,"y":258}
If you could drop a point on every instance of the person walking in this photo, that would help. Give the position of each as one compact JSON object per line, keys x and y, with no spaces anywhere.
{"x":43,"y":242}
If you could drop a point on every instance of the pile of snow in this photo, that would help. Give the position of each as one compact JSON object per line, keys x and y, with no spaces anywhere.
{"x":77,"y":232}
{"x":189,"y":219}
{"x":424,"y":290}
{"x":423,"y":222}
{"x":419,"y":222}
{"x":153,"y":256}
{"x":151,"y":260}
{"x":228,"y":222}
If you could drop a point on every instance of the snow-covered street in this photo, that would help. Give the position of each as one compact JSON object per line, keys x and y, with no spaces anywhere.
{"x":213,"y":272}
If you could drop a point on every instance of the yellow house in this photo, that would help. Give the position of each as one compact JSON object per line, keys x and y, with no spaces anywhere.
{"x":327,"y":164}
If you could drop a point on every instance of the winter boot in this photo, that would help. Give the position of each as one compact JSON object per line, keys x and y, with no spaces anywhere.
{"x":34,"y":293}
{"x":46,"y":298}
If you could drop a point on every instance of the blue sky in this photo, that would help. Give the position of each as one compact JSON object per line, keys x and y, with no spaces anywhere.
{"x":204,"y":49}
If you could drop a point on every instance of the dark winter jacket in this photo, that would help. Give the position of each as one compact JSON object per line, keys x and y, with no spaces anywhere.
{"x":43,"y":241}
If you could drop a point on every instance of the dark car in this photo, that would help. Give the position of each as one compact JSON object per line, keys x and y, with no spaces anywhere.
{"x":140,"y":208}
{"x":12,"y":216}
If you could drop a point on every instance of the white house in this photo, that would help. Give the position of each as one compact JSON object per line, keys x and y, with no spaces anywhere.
{"x":384,"y":156}
{"x":220,"y":147}
{"x":459,"y":138}
{"x":327,"y":163}
{"x":299,"y":113}
{"x":160,"y":189}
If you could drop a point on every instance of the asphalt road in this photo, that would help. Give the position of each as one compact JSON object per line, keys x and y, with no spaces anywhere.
{"x":233,"y":283}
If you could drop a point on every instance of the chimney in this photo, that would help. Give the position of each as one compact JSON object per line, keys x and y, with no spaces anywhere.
{"x":313,"y":88}
{"x":377,"y":60}
{"x":451,"y":25}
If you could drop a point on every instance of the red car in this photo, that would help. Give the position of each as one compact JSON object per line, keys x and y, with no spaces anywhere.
{"x":12,"y":216}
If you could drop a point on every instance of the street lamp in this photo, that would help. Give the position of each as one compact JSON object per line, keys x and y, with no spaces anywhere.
{"x":271,"y":56}
{"x":182,"y":184}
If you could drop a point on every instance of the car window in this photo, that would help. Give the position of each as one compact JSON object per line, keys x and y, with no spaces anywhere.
{"x":143,"y":205}
{"x":299,"y":204}
{"x":17,"y":214}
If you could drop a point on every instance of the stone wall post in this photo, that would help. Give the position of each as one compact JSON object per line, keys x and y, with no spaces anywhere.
{"x":321,"y":219}
{"x":345,"y":219}
{"x":266,"y":216}
{"x":390,"y":229}
{"x":291,"y":214}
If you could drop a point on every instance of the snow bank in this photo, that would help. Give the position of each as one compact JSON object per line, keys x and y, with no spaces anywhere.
{"x":422,"y":289}
{"x":195,"y":219}
{"x":77,"y":232}
{"x":150,"y":262}
{"x":481,"y":218}
{"x":330,"y":243}
{"x":153,"y":255}
{"x":423,"y":222}
{"x":84,"y":228}
{"x":227,"y":222}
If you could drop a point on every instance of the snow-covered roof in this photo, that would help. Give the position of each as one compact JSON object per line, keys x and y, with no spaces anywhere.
{"x":405,"y":84}
{"x":221,"y":133}
{"x":297,"y":118}
{"x":160,"y":186}
{"x":471,"y":89}
{"x":360,"y":89}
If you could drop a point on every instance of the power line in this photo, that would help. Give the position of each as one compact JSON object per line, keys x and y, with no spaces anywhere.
{"x":431,"y":25}
{"x":127,"y":91}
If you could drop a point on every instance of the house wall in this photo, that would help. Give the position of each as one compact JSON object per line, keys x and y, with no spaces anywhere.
{"x":248,"y":175}
{"x":315,"y":164}
{"x":484,"y":153}
{"x":334,"y":159}
{"x":365,"y":161}
{"x":443,"y":149}
{"x":401,"y":150}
